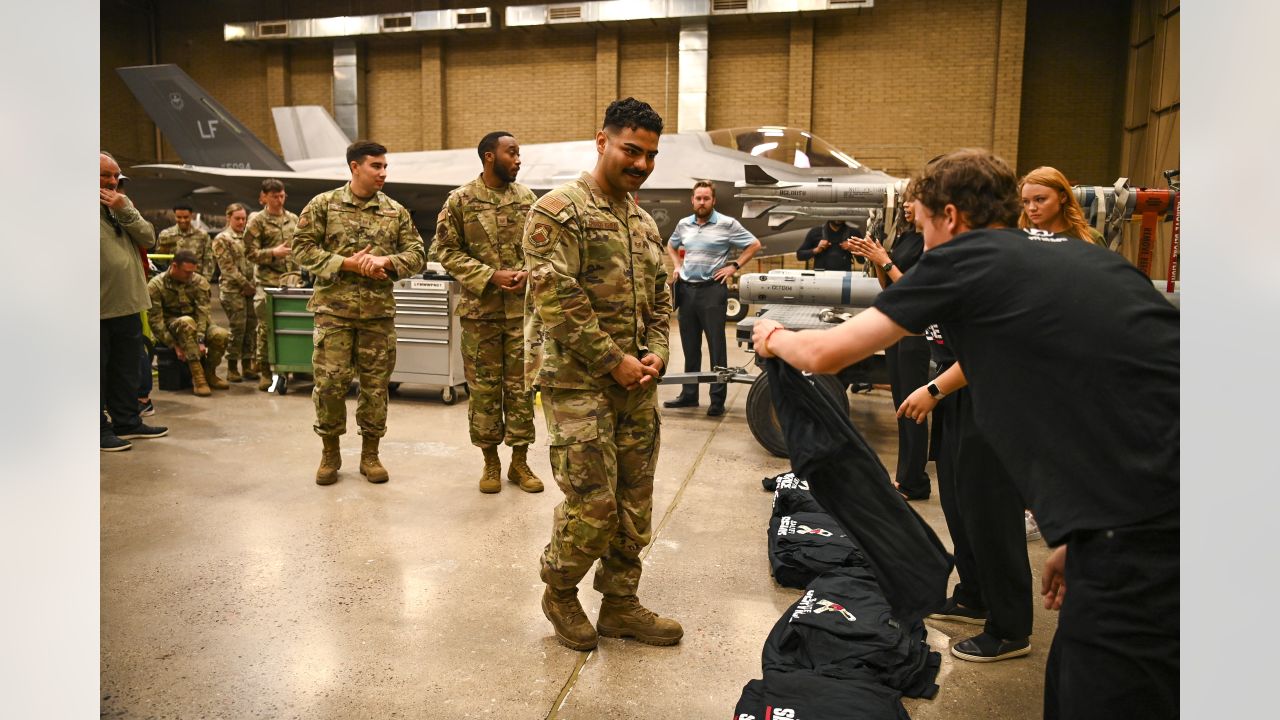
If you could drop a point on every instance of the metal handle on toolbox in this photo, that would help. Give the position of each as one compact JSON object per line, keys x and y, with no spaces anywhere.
{"x":427,"y":342}
{"x":422,"y":327}
{"x":293,"y":332}
{"x":419,"y":312}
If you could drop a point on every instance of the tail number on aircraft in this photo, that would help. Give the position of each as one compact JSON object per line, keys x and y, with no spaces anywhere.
{"x":207,"y":128}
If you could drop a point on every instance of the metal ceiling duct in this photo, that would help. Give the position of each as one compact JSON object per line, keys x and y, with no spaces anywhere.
{"x":624,"y":10}
{"x":360,"y":25}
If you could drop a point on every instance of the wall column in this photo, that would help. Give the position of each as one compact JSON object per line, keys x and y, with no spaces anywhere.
{"x":433,"y":101}
{"x":1007,"y":110}
{"x":606,"y":67}
{"x":800,"y":75}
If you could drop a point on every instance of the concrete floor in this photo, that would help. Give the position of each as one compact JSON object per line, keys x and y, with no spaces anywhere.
{"x":234,"y":587}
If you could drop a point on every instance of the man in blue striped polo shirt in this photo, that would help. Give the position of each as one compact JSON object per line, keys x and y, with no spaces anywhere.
{"x":701,"y":286}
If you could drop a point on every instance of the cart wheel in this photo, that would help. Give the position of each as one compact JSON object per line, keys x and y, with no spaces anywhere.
{"x":762,"y":420}
{"x":735,"y":309}
{"x":282,"y":384}
{"x":448,"y":395}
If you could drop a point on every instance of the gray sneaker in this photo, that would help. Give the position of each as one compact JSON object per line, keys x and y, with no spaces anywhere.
{"x":143,"y":431}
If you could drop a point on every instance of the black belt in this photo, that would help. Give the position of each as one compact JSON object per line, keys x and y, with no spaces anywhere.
{"x":699,"y":283}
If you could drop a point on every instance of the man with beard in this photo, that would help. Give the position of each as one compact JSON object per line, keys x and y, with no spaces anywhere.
{"x":702,"y":277}
{"x":596,"y":324}
{"x":356,"y":241}
{"x":478,"y":241}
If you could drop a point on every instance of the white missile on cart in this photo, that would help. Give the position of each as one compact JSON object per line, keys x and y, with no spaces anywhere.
{"x":808,"y":287}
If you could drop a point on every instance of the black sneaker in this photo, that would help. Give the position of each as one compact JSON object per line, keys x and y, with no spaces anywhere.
{"x":989,"y":648}
{"x":146,"y":409}
{"x":715,"y":410}
{"x":959,"y":613}
{"x":144,"y":431}
{"x":681,"y":402}
{"x":111,"y":443}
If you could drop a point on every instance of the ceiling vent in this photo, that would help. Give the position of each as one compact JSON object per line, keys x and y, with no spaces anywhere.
{"x":397,"y":23}
{"x":721,"y":6}
{"x":273,"y":29}
{"x":564,"y":13}
{"x":473,"y":18}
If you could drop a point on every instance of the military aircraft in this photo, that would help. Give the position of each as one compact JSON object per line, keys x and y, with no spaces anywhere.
{"x":224,"y":163}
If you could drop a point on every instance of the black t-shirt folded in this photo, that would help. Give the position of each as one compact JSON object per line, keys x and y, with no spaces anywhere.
{"x":806,"y":695}
{"x":791,"y":495}
{"x":805,"y":545}
{"x":843,"y":626}
{"x":847,"y":478}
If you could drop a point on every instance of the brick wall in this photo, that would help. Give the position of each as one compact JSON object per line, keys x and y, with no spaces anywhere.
{"x":747,"y":70}
{"x":649,"y":70}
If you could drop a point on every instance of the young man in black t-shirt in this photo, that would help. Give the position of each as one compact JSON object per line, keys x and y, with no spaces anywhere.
{"x":1072,"y":361}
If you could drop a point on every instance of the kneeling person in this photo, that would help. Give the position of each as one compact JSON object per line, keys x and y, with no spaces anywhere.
{"x":179,"y":318}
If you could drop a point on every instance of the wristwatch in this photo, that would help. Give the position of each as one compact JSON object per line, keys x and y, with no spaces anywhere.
{"x":885,"y":267}
{"x":934,"y":392}
{"x":734,"y":263}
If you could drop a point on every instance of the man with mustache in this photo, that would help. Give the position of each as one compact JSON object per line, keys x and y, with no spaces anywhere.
{"x":478,"y":241}
{"x":597,"y":316}
{"x":356,"y":241}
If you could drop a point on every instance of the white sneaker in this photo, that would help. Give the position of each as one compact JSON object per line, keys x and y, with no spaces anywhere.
{"x":1033,"y":528}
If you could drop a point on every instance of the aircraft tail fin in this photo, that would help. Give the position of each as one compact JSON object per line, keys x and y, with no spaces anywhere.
{"x":308,"y":131}
{"x":201,"y":130}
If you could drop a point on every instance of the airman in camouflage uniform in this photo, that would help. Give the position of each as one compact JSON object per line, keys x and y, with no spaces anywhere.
{"x":355,"y":241}
{"x":185,"y":236}
{"x":596,"y":326}
{"x":266,"y":244}
{"x":179,"y":318}
{"x":235,"y":291}
{"x":478,"y":240}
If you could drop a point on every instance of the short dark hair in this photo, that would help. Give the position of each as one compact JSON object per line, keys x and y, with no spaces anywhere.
{"x":364,"y":148}
{"x":632,"y":113}
{"x":188,"y":208}
{"x":706,"y":184}
{"x":185,"y":257}
{"x":489,"y":142}
{"x":271,"y":185}
{"x":980,"y":184}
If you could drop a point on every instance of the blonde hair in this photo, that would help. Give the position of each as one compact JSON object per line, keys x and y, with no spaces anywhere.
{"x":236,"y":207}
{"x":1054,"y":180}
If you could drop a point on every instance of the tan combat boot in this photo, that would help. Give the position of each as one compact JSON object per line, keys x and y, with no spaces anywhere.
{"x":211,"y":376}
{"x":624,"y":616}
{"x":573,"y":630}
{"x":246,"y":369}
{"x":370,"y":467}
{"x":520,"y":473}
{"x":491,"y":476}
{"x":330,"y":461}
{"x":233,"y":375}
{"x":264,"y":382}
{"x":198,"y":384}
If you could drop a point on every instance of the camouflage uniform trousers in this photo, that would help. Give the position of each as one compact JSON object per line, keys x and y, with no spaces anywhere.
{"x":493,"y":360}
{"x":604,"y":448}
{"x":260,"y":336}
{"x":243,"y":323}
{"x":183,"y":329}
{"x":347,"y":348}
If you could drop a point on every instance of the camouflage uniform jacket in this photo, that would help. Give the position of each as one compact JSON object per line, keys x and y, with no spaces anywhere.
{"x":171,"y":300}
{"x":263,"y":232}
{"x":597,"y":287}
{"x":172,"y":239}
{"x":478,"y":232}
{"x":237,"y":271}
{"x":336,"y":225}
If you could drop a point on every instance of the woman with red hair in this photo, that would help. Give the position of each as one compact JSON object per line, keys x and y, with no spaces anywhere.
{"x":1049,"y":204}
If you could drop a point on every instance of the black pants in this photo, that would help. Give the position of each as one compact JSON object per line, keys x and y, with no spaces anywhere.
{"x":120,"y":350}
{"x":1115,"y":654}
{"x":702,"y":312}
{"x":984,"y":513}
{"x":908,"y":362}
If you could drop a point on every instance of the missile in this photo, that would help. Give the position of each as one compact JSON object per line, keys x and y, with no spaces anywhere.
{"x":840,"y":289}
{"x":823,"y":200}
